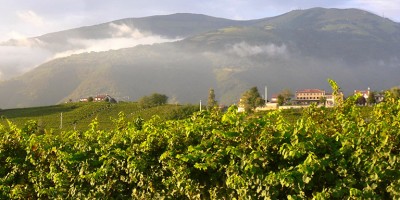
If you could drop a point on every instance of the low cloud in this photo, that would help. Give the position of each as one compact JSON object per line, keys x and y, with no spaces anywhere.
{"x":100,"y":45}
{"x":244,"y":49}
{"x":122,"y":36}
{"x":23,"y":54}
{"x":122,"y":30}
{"x":15,"y":60}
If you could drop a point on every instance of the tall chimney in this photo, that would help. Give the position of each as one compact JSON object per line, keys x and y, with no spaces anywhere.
{"x":266,"y":94}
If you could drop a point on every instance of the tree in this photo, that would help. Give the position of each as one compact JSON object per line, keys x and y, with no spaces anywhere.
{"x":251,"y":99}
{"x":371,"y":98}
{"x":281,"y":100}
{"x":322,"y":100}
{"x":112,"y":100}
{"x":286,"y":95}
{"x":159,"y":99}
{"x":361,"y":101}
{"x":395,"y":91}
{"x":211,"y":103}
{"x":90,"y":99}
{"x":153,"y":100}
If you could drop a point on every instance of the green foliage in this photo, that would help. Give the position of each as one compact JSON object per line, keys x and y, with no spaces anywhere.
{"x":281,"y":100}
{"x":251,"y":99}
{"x":395,"y":92}
{"x":322,"y":101}
{"x":211,"y":102}
{"x":337,"y":153}
{"x":371,"y":98}
{"x":77,"y":116}
{"x":285,"y":96}
{"x":153,"y":100}
{"x":182,"y":112}
{"x":361,"y":100}
{"x":336,"y":93}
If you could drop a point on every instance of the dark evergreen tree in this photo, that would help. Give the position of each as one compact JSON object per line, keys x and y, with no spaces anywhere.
{"x":322,"y":100}
{"x":281,"y":100}
{"x":361,"y":101}
{"x":371,"y":98}
{"x":211,"y":103}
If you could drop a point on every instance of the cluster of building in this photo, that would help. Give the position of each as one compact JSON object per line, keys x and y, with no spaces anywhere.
{"x":98,"y":98}
{"x":306,"y":97}
{"x":366,"y":93}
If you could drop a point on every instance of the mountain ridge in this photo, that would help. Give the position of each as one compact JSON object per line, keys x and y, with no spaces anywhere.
{"x":140,"y":23}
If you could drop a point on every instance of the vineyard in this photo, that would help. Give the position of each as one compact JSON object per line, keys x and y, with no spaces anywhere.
{"x":78,"y":115}
{"x":337,"y":153}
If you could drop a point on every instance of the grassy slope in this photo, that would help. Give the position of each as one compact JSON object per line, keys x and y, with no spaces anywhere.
{"x":83,"y":114}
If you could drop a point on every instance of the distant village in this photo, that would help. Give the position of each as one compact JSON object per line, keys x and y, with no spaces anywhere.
{"x":99,"y":98}
{"x":306,"y":97}
{"x":301,"y":98}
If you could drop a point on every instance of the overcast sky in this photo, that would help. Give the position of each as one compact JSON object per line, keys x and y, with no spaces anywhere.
{"x":27,"y":18}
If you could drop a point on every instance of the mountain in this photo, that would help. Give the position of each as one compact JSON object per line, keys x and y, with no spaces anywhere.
{"x":296,"y":50}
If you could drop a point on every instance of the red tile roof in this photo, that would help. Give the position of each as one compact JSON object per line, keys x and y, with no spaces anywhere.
{"x":363,"y":92}
{"x":101,"y":96}
{"x":310,"y":91}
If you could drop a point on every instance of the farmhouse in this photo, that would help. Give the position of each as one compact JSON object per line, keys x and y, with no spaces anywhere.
{"x":102,"y":97}
{"x":84,"y":100}
{"x":308,"y":96}
{"x":274,"y":98}
{"x":364,"y":93}
{"x":99,"y":98}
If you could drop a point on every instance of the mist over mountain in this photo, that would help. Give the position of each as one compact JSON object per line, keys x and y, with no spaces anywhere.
{"x":297,"y":50}
{"x":27,"y":53}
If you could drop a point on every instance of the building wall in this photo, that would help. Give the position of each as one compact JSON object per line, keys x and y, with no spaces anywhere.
{"x":309,"y":95}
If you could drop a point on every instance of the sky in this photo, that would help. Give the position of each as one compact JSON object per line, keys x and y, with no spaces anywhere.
{"x":28,"y":18}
